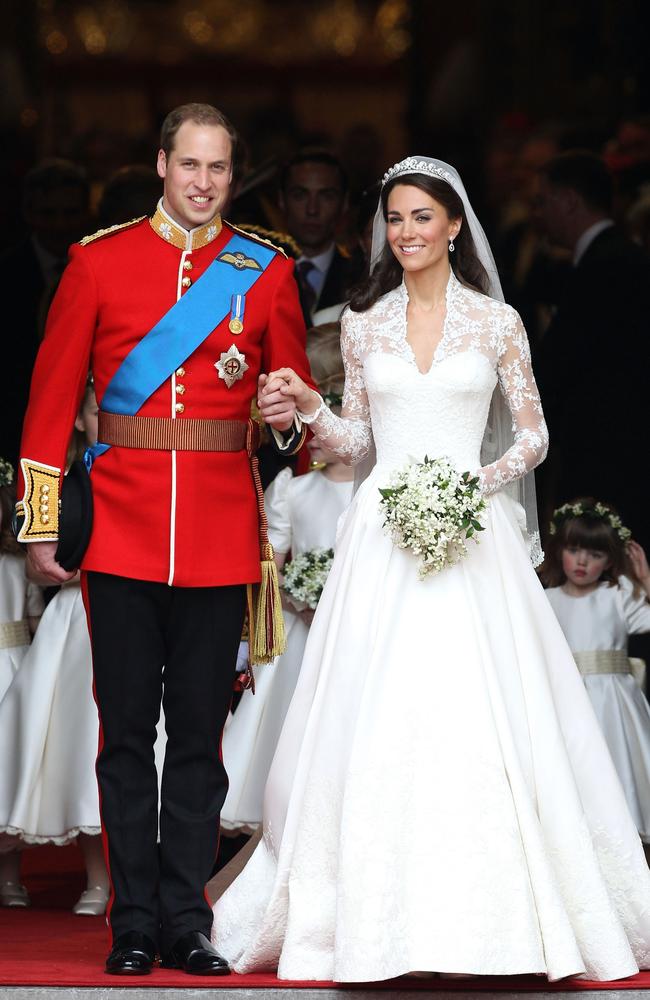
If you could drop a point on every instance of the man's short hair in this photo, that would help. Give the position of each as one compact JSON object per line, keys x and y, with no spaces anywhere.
{"x":52,"y":175}
{"x":322,"y":156}
{"x":584,"y":173}
{"x":200,"y":114}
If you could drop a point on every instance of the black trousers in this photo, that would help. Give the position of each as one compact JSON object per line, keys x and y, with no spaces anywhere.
{"x":179,"y":643}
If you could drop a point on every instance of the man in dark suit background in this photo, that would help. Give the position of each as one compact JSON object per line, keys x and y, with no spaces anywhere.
{"x":314,"y":197}
{"x":56,"y":210}
{"x":591,"y":365}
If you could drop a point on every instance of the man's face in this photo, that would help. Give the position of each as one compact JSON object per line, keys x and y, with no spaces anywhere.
{"x":313,"y":202}
{"x":196,"y":174}
{"x":551,"y":210}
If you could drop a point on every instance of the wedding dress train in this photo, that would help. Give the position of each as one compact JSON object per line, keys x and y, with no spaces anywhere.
{"x":441,"y":797}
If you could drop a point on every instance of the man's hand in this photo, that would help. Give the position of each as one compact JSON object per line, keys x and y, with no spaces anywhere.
{"x":281,"y":387}
{"x":42,"y":567}
{"x":276,"y":409}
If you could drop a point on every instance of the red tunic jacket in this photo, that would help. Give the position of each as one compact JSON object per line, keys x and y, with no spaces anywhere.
{"x":185,"y":518}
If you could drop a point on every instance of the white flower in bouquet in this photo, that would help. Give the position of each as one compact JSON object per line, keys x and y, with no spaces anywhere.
{"x":304,"y":576}
{"x":433,"y":510}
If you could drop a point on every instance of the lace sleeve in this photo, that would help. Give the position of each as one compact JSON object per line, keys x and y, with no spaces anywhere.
{"x":517,"y":383}
{"x":349,"y":435}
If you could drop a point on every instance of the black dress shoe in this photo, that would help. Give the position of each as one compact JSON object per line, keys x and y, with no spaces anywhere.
{"x":132,"y":954}
{"x":193,"y":953}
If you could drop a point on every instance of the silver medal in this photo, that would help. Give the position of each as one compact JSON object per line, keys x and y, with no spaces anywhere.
{"x":231,"y":366}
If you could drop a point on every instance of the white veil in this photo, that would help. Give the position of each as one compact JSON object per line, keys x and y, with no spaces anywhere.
{"x":498,"y":435}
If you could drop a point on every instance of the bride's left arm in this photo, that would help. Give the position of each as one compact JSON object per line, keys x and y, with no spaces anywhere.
{"x":517,"y":383}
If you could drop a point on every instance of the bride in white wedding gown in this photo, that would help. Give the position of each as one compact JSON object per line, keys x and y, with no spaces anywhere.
{"x":441,"y":798}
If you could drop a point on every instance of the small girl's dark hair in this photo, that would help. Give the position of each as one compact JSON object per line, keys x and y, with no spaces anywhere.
{"x":585,"y":532}
{"x":8,"y":543}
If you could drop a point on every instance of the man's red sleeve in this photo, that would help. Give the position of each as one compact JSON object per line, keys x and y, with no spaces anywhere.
{"x":57,"y":388}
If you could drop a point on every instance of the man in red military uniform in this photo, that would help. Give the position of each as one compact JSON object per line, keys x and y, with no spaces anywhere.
{"x":175,"y":537}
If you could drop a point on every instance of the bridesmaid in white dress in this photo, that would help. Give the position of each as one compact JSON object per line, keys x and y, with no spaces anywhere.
{"x":599,"y":590}
{"x":302,"y":514}
{"x":49,"y":733}
{"x":21,"y":605}
{"x":21,"y":602}
{"x":441,"y":798}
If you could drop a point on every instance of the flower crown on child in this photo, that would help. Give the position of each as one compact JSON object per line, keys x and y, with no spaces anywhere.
{"x":6,"y":472}
{"x":598,"y":511}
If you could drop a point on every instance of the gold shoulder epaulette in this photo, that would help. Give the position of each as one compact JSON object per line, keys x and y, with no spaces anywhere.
{"x":111,"y":229}
{"x":253,"y":234}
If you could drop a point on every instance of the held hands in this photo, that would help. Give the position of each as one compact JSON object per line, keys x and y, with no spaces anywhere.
{"x":42,"y":567}
{"x":280,"y":394}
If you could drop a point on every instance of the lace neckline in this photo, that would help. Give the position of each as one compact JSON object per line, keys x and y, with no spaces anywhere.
{"x":438,"y":354}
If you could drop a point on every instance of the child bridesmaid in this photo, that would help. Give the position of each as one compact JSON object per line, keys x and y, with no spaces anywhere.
{"x":599,"y":584}
{"x":49,"y":731}
{"x":21,"y":605}
{"x":302,"y":513}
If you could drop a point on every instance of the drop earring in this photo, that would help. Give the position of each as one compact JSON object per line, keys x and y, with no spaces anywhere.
{"x":451,"y":246}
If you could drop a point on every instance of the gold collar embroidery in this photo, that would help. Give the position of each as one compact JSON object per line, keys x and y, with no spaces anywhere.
{"x":169,"y":231}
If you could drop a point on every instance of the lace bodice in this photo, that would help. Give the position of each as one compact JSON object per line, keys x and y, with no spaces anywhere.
{"x":442,"y":411}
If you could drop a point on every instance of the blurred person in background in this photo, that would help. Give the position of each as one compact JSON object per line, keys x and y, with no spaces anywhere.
{"x":591,"y":364}
{"x":313,"y":197}
{"x":533,"y":272}
{"x":56,"y":212}
{"x":131,"y":192}
{"x":638,"y":220}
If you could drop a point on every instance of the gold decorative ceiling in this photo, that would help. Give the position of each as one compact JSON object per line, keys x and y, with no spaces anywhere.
{"x":277,"y":33}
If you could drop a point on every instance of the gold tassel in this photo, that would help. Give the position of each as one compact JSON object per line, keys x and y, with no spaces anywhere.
{"x":266,"y":622}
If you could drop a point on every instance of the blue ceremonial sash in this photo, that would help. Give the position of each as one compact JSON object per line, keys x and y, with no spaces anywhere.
{"x":181,"y":330}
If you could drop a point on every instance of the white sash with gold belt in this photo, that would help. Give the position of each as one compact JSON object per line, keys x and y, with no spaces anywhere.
{"x":14,"y":634}
{"x":609,"y":661}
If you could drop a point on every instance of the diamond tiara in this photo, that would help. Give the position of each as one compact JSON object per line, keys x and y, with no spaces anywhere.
{"x":411,"y":165}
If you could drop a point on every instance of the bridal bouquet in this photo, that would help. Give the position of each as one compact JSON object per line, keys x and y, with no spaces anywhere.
{"x":432,"y":509}
{"x":304,"y":576}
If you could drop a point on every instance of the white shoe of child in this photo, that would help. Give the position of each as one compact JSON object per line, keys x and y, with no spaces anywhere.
{"x":92,"y":902}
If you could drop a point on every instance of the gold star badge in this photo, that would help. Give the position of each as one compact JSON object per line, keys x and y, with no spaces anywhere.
{"x":231,"y":366}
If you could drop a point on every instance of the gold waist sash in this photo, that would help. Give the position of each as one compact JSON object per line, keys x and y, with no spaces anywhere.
{"x":14,"y":634}
{"x":604,"y":661}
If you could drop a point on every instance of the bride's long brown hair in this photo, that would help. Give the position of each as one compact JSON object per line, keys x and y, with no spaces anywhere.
{"x":464,"y":262}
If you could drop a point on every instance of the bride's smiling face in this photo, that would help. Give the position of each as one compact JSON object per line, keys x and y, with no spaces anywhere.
{"x":418,"y":228}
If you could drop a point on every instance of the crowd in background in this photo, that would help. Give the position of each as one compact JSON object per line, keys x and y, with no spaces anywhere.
{"x":587,"y":341}
{"x":569,"y":227}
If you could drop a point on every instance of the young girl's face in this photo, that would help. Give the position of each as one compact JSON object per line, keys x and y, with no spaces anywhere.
{"x":583,"y":567}
{"x":87,"y":421}
{"x":318,"y":453}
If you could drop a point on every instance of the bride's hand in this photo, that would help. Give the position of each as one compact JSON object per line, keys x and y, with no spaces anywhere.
{"x":282,"y":386}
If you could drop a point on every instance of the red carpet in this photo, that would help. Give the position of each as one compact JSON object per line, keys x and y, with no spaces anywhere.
{"x":48,"y":946}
